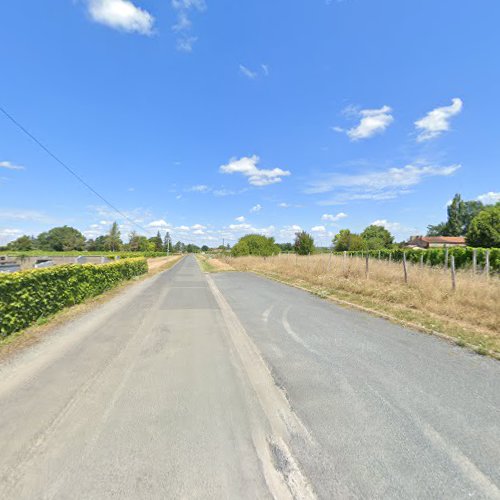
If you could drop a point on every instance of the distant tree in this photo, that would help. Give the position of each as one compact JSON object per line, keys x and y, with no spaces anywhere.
{"x":304,"y":243}
{"x":484,"y":230}
{"x":204,"y":248}
{"x":191,"y":248}
{"x":100,"y":243}
{"x":61,"y":239}
{"x":285,"y":247}
{"x":460,"y":215}
{"x":167,"y":242}
{"x":377,"y":237}
{"x":24,"y":243}
{"x":179,"y":247}
{"x":157,"y":242}
{"x":255,"y":244}
{"x":347,"y":241}
{"x":113,"y":240}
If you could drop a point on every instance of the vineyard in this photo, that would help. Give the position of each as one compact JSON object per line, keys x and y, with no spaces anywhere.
{"x":465,"y":258}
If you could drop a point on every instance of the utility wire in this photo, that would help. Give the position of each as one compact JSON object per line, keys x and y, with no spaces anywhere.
{"x":69,"y":169}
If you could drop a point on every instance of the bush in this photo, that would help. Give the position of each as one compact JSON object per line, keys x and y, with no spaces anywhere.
{"x":255,"y":244}
{"x":27,"y":296}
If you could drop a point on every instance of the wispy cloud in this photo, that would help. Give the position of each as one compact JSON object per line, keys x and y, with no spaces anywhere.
{"x":256,"y":176}
{"x":372,"y":122}
{"x":401,"y":231}
{"x":256,"y":208}
{"x":24,"y":215}
{"x":241,"y":218}
{"x":489,"y":198}
{"x":122,"y":15}
{"x":253,"y":74}
{"x":333,"y":218}
{"x":318,"y":229}
{"x":159,"y":224}
{"x":199,"y":188}
{"x":437,"y":121}
{"x":9,"y":166}
{"x":183,"y":25}
{"x":380,"y":185}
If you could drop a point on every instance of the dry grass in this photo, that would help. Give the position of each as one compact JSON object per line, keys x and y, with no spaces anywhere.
{"x":470,"y":314}
{"x":211,"y":265}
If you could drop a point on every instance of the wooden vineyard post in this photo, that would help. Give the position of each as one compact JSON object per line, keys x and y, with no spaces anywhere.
{"x":474,"y":261}
{"x":487,"y":264}
{"x":390,"y":257}
{"x":421,"y":259}
{"x":453,"y":276}
{"x":405,"y":270}
{"x":366,"y":266}
{"x":329,"y":263}
{"x":446,"y":258}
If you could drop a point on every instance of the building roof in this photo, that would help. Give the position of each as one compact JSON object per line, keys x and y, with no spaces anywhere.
{"x":450,"y":240}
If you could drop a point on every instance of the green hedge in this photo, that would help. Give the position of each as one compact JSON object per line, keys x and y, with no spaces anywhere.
{"x":27,"y":296}
{"x":437,"y":256}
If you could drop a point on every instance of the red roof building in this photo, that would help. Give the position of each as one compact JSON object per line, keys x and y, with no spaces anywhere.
{"x":436,"y":241}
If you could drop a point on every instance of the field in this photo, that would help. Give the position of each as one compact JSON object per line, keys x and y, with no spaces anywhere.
{"x":469,"y":313}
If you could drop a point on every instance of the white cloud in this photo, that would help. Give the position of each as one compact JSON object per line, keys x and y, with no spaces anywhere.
{"x":489,"y":198}
{"x":122,"y":15}
{"x":240,"y":219}
{"x":382,"y":185}
{"x":248,"y":72}
{"x":265,"y":69}
{"x":7,"y":235}
{"x":396,"y":228}
{"x":284,"y":205}
{"x":199,"y":231}
{"x":256,"y":176}
{"x":333,"y":218}
{"x":437,"y":121}
{"x":256,"y":208}
{"x":25,"y":215}
{"x":183,"y":24}
{"x":373,"y":121}
{"x":197,"y":227}
{"x":9,"y":166}
{"x":159,"y":224}
{"x":182,"y":228}
{"x":240,"y":227}
{"x":318,"y":229}
{"x":199,"y":188}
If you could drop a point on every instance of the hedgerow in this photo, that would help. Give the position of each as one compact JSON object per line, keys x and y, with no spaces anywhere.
{"x":437,"y":256}
{"x":27,"y":296}
{"x":75,"y":253}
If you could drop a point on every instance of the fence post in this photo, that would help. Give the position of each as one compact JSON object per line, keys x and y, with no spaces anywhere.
{"x":329,"y":262}
{"x":446,"y":257}
{"x":366,"y":266}
{"x":390,"y":257}
{"x":487,"y":263}
{"x":405,"y":270}
{"x":421,"y":259}
{"x":379,"y":255}
{"x":474,"y":261}
{"x":453,"y":277}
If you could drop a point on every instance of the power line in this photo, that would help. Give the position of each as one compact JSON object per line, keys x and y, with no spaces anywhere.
{"x":69,"y":169}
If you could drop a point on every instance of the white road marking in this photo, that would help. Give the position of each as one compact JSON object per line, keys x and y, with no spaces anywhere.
{"x":293,"y":334}
{"x":266,"y":313}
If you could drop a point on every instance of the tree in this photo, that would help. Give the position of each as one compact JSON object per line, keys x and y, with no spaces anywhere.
{"x":24,"y":243}
{"x":204,"y":248}
{"x":191,"y":248}
{"x":157,"y":242}
{"x":179,"y":247}
{"x":347,"y":241}
{"x":167,"y":242}
{"x":113,"y":240}
{"x":377,"y":237}
{"x":304,"y":243}
{"x":460,"y":215}
{"x":285,"y":247}
{"x":61,"y":239}
{"x":255,"y":244}
{"x":484,"y":230}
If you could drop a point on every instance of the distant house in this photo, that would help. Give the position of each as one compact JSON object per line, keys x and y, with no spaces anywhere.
{"x":436,"y":241}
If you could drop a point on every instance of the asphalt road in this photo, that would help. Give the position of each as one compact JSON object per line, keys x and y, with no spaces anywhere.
{"x":232,"y":386}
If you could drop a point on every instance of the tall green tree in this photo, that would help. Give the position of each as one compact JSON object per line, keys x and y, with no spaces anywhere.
{"x":484,"y":230}
{"x":113,"y":239}
{"x":304,"y":243}
{"x":167,"y":242}
{"x":347,"y":241}
{"x":157,"y":242}
{"x":61,"y":239}
{"x":377,"y":237}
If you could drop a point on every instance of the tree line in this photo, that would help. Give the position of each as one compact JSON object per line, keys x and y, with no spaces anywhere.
{"x":67,"y":238}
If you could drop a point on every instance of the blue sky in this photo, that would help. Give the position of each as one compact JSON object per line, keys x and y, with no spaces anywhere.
{"x":217,"y":118}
